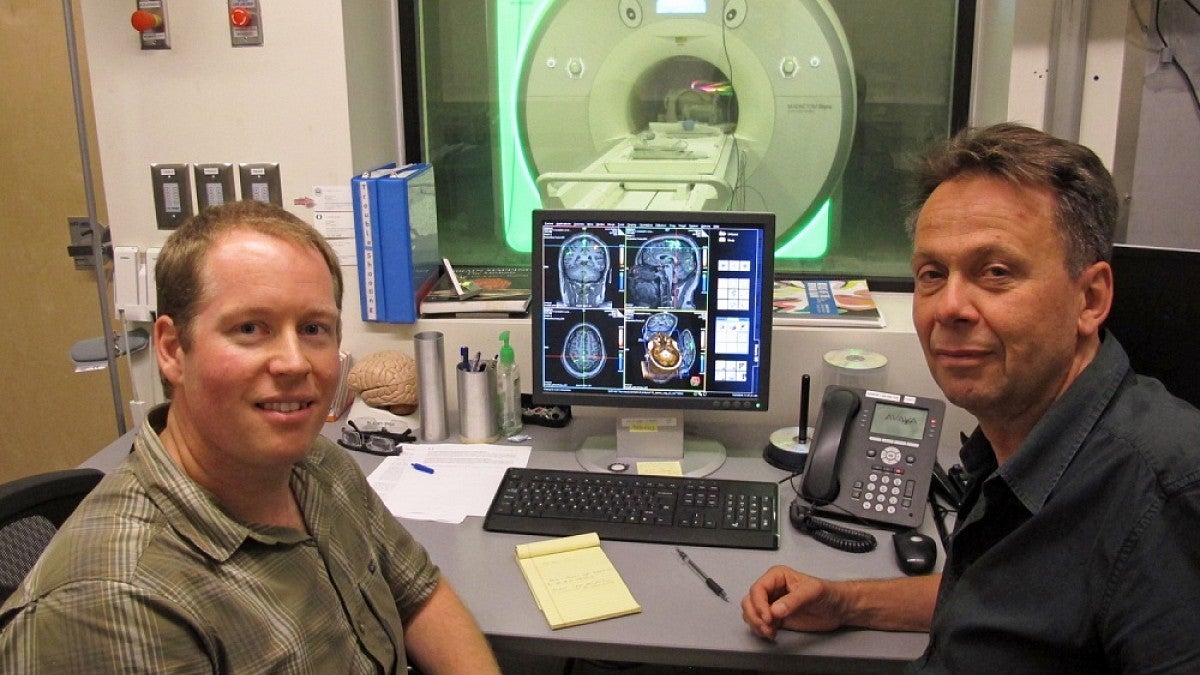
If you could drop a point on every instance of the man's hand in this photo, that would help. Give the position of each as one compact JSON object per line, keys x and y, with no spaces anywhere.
{"x":785,"y":598}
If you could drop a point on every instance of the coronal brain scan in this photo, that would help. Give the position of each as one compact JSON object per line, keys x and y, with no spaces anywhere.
{"x":583,"y":270}
{"x":670,"y":351}
{"x":583,"y":351}
{"x":665,"y":273}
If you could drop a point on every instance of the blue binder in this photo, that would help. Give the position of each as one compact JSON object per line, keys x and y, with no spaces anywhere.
{"x":395,"y":214}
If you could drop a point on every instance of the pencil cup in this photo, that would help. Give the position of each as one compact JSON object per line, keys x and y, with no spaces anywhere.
{"x":431,"y":385}
{"x":477,"y":405}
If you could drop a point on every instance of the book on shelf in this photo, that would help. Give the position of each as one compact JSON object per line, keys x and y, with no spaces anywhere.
{"x":491,"y":289}
{"x":825,"y":302}
{"x":573,"y":581}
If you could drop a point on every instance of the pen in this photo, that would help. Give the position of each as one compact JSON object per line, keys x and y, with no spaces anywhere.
{"x":466,"y":364}
{"x":708,"y":581}
{"x":422,"y":468}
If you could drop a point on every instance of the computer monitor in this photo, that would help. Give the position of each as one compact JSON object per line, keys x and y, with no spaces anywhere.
{"x":652,"y":310}
{"x":1156,"y":314}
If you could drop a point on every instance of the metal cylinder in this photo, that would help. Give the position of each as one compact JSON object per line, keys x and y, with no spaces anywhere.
{"x":478,"y":418}
{"x":430,"y":354}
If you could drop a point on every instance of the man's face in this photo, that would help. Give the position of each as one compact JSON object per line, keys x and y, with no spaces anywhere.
{"x":996,"y":311}
{"x":253,"y":388}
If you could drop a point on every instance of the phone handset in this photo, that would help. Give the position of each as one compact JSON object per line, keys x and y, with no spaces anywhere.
{"x":838,"y":411}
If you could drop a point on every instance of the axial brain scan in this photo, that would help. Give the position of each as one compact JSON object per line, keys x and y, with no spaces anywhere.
{"x":583,"y":351}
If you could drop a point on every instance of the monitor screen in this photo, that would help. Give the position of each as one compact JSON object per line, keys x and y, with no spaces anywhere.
{"x":1156,"y":314}
{"x":652,"y":309}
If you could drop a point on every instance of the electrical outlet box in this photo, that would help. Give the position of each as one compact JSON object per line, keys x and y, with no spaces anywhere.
{"x":172,"y":194}
{"x":245,"y":23}
{"x":260,"y":182}
{"x":126,"y":295}
{"x":214,"y":185}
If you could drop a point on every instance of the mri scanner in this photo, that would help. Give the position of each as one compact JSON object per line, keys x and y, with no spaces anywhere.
{"x":689,"y":105}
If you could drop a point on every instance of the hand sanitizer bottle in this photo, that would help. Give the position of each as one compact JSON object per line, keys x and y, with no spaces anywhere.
{"x":508,"y":385}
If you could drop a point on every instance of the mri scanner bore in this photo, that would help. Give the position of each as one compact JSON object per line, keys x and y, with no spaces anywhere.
{"x":700,"y":105}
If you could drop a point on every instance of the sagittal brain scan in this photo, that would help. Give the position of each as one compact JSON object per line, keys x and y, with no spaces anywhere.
{"x":583,"y":270}
{"x":665,"y":273}
{"x":583,"y":351}
{"x":670,"y":351}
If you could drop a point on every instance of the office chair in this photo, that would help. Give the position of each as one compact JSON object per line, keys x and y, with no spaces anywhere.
{"x":31,"y":511}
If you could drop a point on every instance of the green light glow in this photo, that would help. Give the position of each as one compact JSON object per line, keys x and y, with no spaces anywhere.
{"x":812,"y":241}
{"x":515,"y":23}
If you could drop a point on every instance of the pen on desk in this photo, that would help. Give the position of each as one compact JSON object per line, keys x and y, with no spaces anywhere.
{"x":422,"y":468}
{"x":708,"y":581}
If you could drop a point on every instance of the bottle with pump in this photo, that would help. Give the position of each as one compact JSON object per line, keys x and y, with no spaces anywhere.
{"x":508,"y":385}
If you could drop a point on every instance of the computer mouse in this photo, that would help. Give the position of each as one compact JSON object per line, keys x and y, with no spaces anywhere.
{"x":916,"y":553}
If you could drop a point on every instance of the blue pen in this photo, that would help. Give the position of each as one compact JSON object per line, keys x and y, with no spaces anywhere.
{"x":422,"y":468}
{"x":463,"y":351}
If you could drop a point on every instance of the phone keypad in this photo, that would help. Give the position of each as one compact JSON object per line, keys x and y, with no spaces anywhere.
{"x":884,"y":490}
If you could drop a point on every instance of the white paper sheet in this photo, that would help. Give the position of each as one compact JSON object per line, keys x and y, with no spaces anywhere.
{"x":463,"y":482}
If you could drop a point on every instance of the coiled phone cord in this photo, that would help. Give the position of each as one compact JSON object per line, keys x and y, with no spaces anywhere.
{"x":836,"y":536}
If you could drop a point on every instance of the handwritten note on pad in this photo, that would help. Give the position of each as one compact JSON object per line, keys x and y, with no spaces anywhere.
{"x":573,"y":581}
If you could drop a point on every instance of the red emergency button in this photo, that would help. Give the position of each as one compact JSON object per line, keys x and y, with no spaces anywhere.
{"x":241,"y":17}
{"x":143,"y":21}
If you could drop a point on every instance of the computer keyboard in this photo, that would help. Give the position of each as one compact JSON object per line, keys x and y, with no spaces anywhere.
{"x":660,"y":510}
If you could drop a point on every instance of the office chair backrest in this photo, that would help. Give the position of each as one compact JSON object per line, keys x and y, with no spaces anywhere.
{"x":31,"y":511}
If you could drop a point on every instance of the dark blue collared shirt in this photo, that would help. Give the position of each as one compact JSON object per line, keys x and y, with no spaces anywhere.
{"x":1082,"y":553}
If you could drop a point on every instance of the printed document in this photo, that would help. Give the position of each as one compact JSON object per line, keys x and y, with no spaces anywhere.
{"x":445,"y":482}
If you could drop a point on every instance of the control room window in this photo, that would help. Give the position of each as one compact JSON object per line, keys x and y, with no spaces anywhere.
{"x":810,"y":109}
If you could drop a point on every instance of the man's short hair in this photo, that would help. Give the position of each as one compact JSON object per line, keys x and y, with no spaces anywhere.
{"x":1085,"y":197}
{"x":177,"y":273}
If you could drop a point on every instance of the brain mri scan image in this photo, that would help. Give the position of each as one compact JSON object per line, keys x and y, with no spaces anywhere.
{"x":665,"y":273}
{"x":583,"y":352}
{"x":670,"y":351}
{"x":583,"y":270}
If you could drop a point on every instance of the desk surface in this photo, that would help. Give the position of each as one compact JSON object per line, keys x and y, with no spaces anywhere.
{"x":681,"y":622}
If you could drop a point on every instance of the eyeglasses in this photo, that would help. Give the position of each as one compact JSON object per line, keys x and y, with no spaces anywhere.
{"x":375,"y":437}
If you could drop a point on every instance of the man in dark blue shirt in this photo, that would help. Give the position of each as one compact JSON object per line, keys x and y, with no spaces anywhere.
{"x":1078,"y":546}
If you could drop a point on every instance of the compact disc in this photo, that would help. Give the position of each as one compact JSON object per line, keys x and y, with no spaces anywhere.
{"x":788,"y":440}
{"x":785,"y":451}
{"x":855,"y":359}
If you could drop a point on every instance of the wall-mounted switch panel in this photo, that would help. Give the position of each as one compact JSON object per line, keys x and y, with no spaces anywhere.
{"x":214,"y":185}
{"x":245,"y":23}
{"x":150,"y":21}
{"x":172,"y":194}
{"x":260,"y":182}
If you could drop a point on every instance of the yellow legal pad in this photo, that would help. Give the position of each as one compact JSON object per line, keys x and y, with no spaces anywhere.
{"x":573,"y":581}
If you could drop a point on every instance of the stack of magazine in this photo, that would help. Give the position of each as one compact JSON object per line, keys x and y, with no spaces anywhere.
{"x":492,"y":290}
{"x":823,"y":302}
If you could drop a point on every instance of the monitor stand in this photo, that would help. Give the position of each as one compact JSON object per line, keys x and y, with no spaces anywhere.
{"x":650,"y":436}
